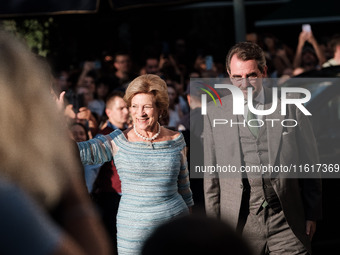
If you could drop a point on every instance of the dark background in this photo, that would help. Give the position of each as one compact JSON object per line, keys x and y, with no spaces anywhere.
{"x":140,"y":28}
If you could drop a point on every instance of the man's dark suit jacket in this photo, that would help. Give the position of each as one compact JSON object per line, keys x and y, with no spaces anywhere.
{"x":300,"y":198}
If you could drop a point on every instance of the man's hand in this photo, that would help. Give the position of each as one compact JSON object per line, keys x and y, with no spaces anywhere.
{"x":84,"y":113}
{"x":310,"y":228}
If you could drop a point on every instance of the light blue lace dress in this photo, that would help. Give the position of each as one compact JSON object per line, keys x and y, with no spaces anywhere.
{"x":155,"y":183}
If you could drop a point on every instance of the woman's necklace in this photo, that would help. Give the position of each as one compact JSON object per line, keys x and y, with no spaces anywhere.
{"x":147,"y":138}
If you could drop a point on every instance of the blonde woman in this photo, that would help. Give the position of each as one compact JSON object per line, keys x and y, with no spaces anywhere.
{"x":151,"y":163}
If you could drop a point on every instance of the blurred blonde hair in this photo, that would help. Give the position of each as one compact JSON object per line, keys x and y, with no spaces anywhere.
{"x":149,"y":83}
{"x":35,"y":152}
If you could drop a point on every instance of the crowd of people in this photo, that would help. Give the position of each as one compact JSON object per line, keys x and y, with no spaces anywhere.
{"x":105,"y":147}
{"x":89,"y":86}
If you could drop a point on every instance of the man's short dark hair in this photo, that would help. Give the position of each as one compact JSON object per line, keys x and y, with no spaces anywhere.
{"x":112,"y":97}
{"x":121,"y":53}
{"x":247,"y":51}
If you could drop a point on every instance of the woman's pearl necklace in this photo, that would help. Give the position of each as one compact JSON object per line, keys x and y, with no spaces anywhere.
{"x":147,"y":138}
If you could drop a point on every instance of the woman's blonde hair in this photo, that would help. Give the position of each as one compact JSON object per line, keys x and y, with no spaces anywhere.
{"x":35,"y":152}
{"x":149,"y":83}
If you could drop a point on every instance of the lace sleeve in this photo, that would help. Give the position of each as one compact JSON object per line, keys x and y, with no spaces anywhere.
{"x":183,"y":180}
{"x":97,"y":150}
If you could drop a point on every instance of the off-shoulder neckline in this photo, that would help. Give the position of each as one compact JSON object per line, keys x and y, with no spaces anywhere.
{"x":173,"y":143}
{"x":142,"y":142}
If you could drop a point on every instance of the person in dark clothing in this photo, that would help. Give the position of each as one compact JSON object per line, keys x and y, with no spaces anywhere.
{"x":191,"y":126}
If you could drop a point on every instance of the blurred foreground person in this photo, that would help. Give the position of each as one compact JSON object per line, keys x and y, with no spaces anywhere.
{"x":195,"y":235}
{"x":46,"y":209}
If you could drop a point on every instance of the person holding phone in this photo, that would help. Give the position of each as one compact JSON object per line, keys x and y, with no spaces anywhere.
{"x":308,"y":54}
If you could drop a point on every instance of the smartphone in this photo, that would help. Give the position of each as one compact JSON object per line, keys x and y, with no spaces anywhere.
{"x":208,"y":62}
{"x":165,"y":50}
{"x":77,"y":100}
{"x":306,"y":28}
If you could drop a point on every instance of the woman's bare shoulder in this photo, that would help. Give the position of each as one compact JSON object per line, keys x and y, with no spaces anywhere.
{"x":171,"y":134}
{"x":127,"y":132}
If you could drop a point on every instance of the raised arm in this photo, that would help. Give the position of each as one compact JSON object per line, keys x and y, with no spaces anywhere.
{"x":97,"y":150}
{"x":302,"y":39}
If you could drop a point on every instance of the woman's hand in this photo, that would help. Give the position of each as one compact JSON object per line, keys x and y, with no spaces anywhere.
{"x":68,"y":109}
{"x":60,"y":101}
{"x":68,"y":112}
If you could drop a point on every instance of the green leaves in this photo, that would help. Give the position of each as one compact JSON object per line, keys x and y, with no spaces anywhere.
{"x":34,"y":31}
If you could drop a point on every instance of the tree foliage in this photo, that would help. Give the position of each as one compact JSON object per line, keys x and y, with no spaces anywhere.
{"x":34,"y":31}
